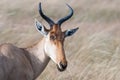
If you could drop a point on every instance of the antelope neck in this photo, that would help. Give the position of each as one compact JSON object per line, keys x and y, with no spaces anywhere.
{"x":38,"y":58}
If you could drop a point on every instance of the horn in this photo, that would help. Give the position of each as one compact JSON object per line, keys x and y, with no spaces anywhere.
{"x":51,"y":23}
{"x":67,"y":17}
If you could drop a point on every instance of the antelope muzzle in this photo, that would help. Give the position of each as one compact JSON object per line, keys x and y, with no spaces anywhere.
{"x":62,"y":66}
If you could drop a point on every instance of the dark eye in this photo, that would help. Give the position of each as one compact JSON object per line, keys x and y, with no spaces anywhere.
{"x":52,"y":37}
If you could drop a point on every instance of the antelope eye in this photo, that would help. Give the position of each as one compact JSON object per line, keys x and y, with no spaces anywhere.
{"x":52,"y":37}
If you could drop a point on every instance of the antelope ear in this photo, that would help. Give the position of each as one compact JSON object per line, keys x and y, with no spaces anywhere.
{"x":41,"y":28}
{"x":70,"y":32}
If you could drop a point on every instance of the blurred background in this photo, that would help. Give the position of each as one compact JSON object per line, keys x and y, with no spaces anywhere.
{"x":93,"y":53}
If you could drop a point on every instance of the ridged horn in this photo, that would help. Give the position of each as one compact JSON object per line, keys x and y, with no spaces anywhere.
{"x":50,"y":22}
{"x":67,"y":17}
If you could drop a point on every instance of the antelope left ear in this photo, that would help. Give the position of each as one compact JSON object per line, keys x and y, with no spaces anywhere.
{"x":70,"y":32}
{"x":41,"y":28}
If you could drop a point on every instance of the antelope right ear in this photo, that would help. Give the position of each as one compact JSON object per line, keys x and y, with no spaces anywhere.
{"x":70,"y":32}
{"x":41,"y":28}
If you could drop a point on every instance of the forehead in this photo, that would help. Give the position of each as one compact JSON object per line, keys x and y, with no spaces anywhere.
{"x":56,"y":30}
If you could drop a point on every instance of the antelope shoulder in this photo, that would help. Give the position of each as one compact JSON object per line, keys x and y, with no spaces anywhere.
{"x":14,"y":63}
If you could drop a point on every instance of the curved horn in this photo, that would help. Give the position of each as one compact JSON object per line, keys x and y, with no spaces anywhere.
{"x":44,"y":16}
{"x":67,"y":17}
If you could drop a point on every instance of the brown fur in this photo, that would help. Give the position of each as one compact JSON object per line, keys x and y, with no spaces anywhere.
{"x":22,"y":63}
{"x":59,"y":42}
{"x":13,"y":64}
{"x":28,"y":63}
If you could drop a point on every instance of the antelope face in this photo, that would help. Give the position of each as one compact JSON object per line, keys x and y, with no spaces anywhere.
{"x":54,"y":38}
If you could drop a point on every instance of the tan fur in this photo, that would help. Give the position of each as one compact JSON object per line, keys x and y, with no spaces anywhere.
{"x":13,"y":64}
{"x":56,"y":30}
{"x":22,"y":64}
{"x":28,"y":63}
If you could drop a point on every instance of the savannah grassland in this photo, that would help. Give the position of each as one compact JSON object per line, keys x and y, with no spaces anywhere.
{"x":93,"y":53}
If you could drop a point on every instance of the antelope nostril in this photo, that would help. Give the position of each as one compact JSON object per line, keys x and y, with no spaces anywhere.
{"x":63,"y":65}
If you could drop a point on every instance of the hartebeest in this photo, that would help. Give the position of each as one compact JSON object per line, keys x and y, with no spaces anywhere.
{"x":28,"y":63}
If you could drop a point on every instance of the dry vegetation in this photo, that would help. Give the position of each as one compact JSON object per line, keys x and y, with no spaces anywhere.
{"x":93,"y":53}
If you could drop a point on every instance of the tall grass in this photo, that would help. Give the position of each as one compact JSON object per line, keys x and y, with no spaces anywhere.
{"x":93,"y":53}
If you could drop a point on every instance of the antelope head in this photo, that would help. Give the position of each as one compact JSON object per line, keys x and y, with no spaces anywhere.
{"x":54,"y":38}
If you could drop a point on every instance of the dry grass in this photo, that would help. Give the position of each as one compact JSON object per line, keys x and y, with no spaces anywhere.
{"x":93,"y":53}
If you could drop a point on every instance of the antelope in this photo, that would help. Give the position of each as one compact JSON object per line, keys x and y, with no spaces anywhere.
{"x":28,"y":63}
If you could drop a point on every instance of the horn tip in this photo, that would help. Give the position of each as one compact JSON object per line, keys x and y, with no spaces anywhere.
{"x":67,"y":4}
{"x":40,"y":5}
{"x":70,"y":8}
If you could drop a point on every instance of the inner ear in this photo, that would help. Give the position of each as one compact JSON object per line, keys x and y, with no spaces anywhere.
{"x":70,"y":32}
{"x":41,"y":28}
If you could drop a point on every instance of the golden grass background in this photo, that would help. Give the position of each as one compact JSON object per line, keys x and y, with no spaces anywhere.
{"x":93,"y":53}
